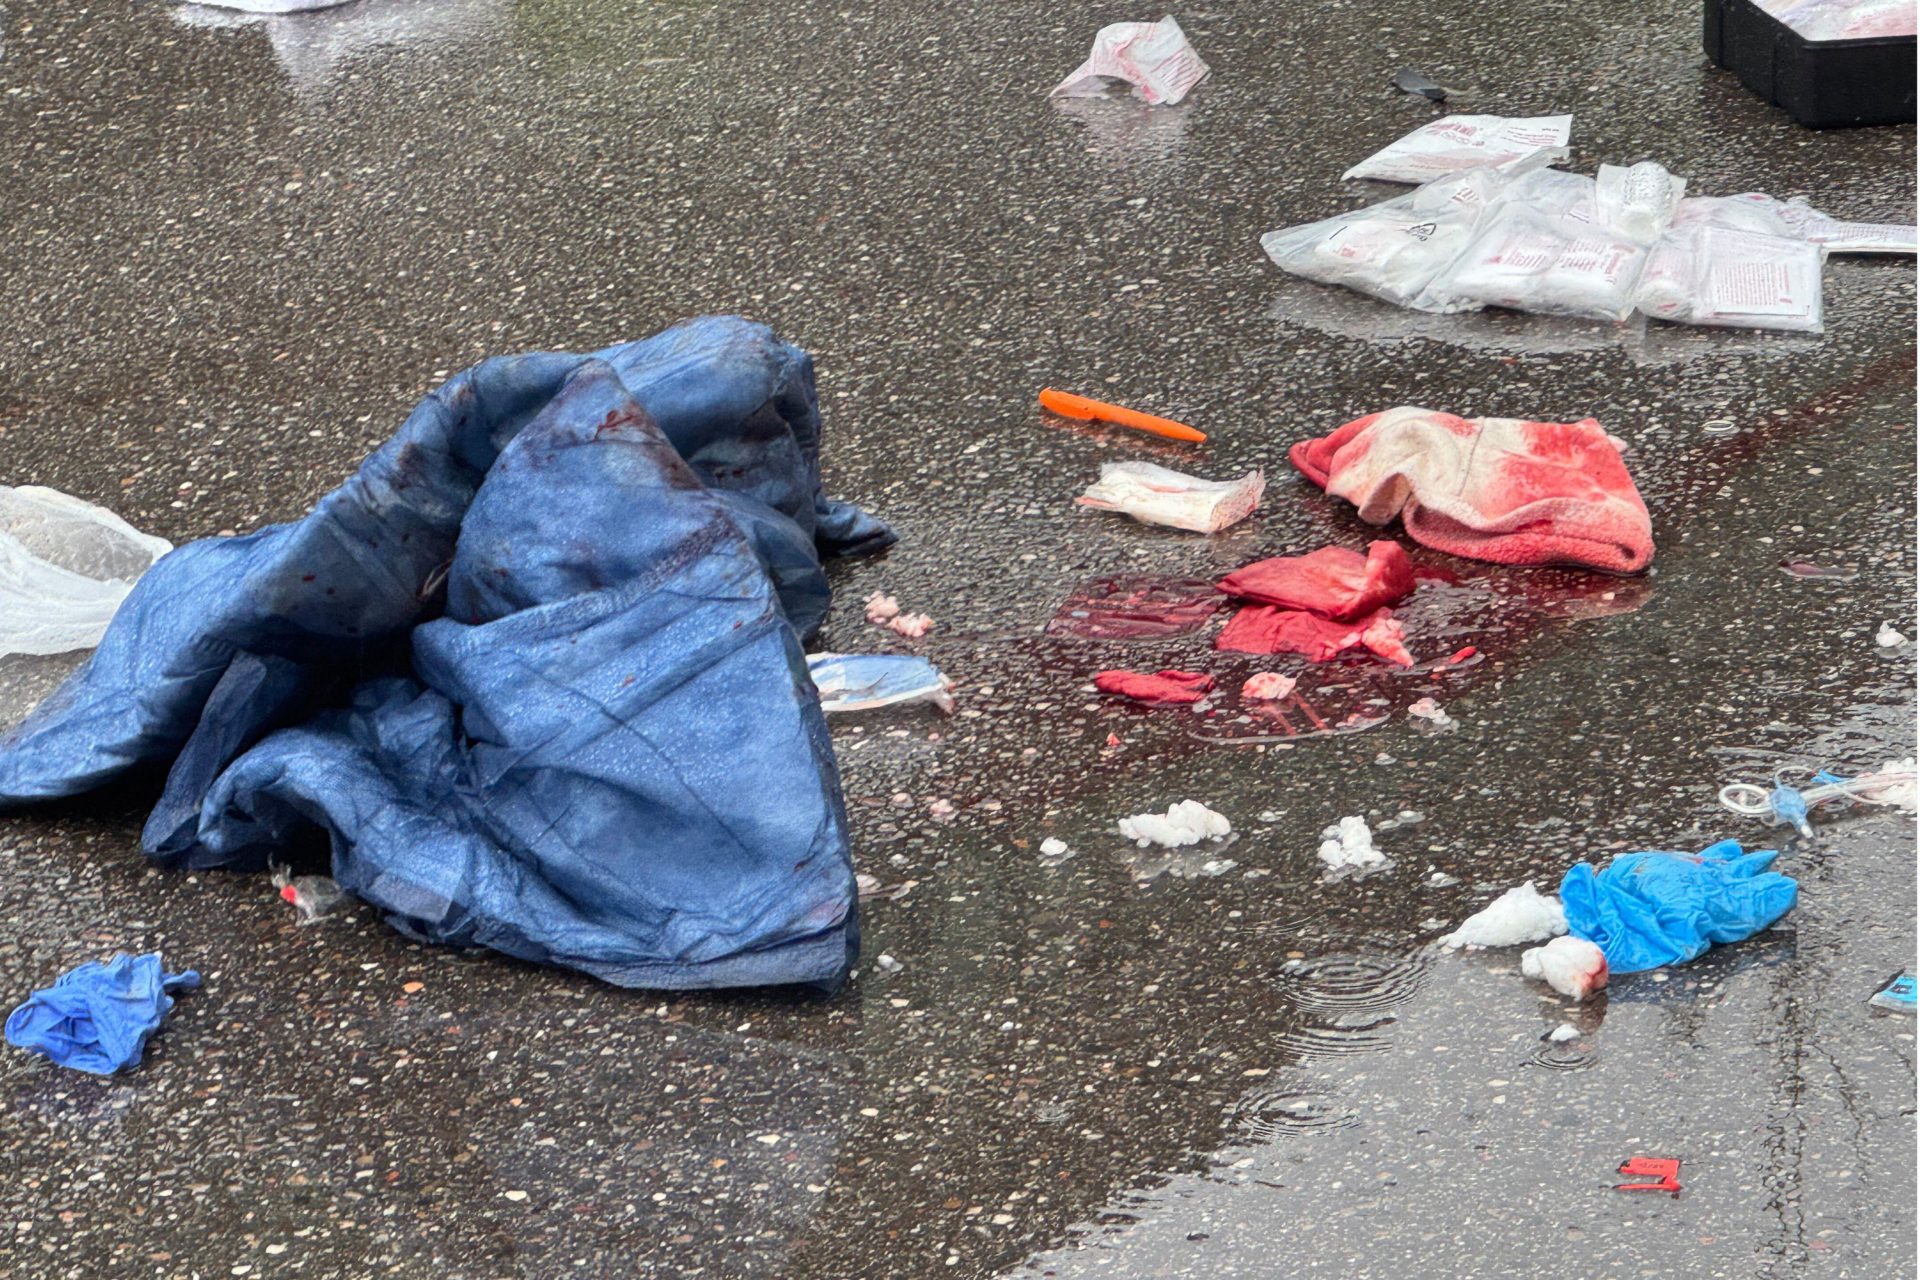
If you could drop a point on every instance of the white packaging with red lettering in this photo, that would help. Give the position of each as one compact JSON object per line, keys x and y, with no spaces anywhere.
{"x":1391,"y":250}
{"x":1733,"y":279}
{"x":1796,"y":219}
{"x":1154,"y":57}
{"x":1458,"y":142}
{"x":1533,"y":261}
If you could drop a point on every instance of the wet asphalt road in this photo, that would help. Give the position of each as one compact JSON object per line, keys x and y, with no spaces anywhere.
{"x":235,"y":254}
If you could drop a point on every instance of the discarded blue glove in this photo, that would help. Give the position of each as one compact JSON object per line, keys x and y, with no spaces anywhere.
{"x":98,"y":1017}
{"x":1647,"y":910}
{"x":535,"y":672}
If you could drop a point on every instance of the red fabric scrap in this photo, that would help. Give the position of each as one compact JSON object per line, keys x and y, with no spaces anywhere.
{"x":1160,"y":689}
{"x":1266,"y":629}
{"x":1335,"y":582}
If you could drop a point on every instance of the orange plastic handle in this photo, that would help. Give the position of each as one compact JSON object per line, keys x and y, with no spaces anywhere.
{"x":1068,"y":405}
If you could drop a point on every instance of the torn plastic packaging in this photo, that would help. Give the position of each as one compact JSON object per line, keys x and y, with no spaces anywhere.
{"x":1154,"y":57}
{"x":1156,"y":495}
{"x":868,"y":681}
{"x":65,"y":566}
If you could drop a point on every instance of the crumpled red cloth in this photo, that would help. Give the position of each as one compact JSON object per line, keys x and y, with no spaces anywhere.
{"x":1498,"y":489}
{"x":1160,"y":689}
{"x":1265,"y":629}
{"x":1334,"y":582}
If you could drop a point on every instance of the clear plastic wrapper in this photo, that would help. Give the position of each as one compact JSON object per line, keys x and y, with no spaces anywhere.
{"x":1452,"y":143}
{"x":65,"y":566}
{"x":1711,"y":275}
{"x":1823,"y":20}
{"x":1393,"y":250}
{"x":1557,"y":193}
{"x":865,"y":681}
{"x":1528,"y":260}
{"x":1759,"y":212}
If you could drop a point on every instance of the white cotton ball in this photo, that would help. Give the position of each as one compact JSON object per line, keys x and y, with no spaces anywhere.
{"x":1188,"y":822}
{"x":1521,"y":914}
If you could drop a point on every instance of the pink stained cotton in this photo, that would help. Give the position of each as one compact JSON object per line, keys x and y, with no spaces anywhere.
{"x":1265,"y":629}
{"x":1334,"y":582}
{"x":1268,"y":686}
{"x":1497,"y":489}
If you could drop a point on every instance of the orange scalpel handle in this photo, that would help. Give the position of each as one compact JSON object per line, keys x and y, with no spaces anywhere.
{"x":1072,"y":406}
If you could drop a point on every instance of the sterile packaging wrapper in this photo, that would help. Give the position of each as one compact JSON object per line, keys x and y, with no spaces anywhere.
{"x":1709,"y":275}
{"x":1452,"y":143}
{"x":1530,"y":261}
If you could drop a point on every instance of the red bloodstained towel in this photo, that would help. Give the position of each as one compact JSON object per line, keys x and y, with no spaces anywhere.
{"x":1265,"y":629}
{"x":1497,"y":489}
{"x":1334,"y":582}
{"x":1161,"y":689}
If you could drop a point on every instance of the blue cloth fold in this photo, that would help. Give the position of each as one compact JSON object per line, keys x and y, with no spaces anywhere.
{"x":535,"y":671}
{"x":1647,"y":910}
{"x":99,"y":1017}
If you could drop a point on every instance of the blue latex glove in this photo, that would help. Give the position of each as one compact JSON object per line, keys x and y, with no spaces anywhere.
{"x":1647,"y":910}
{"x":99,"y":1017}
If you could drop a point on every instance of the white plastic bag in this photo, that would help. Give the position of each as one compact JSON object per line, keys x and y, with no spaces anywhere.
{"x":65,"y":566}
{"x":1157,"y":495}
{"x":1532,"y":261}
{"x":1392,"y":250}
{"x":1154,"y":57}
{"x":1452,"y":143}
{"x":1637,"y":203}
{"x":1711,"y":275}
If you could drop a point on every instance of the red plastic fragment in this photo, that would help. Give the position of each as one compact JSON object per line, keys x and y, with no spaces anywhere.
{"x":1667,"y":1171}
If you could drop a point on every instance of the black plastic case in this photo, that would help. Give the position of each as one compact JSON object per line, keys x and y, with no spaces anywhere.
{"x":1823,"y":84}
